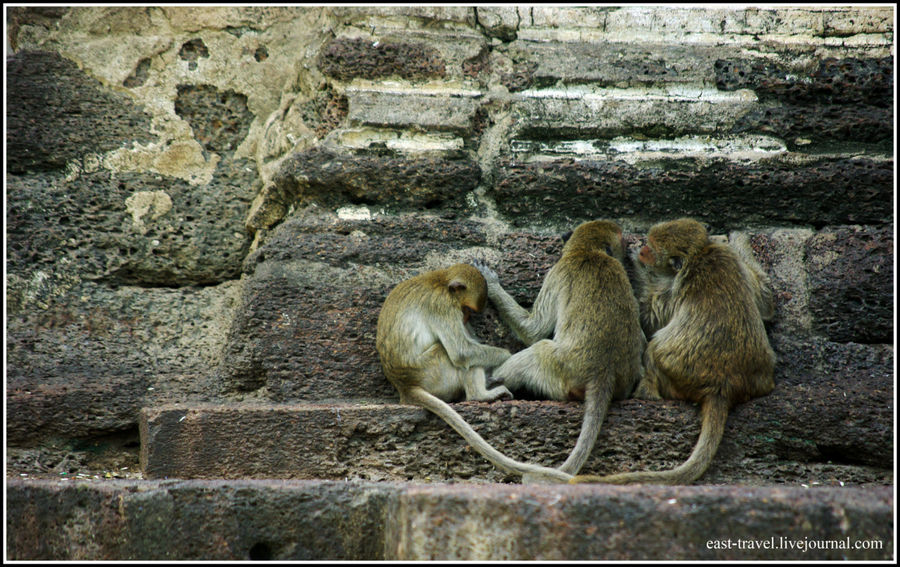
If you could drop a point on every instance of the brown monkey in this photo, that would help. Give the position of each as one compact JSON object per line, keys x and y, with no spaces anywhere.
{"x":587,"y":303}
{"x":703,"y":305}
{"x":428,"y":354}
{"x":654,"y":287}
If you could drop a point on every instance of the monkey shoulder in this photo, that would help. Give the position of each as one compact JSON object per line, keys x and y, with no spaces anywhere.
{"x":715,"y":264}
{"x":591,"y":264}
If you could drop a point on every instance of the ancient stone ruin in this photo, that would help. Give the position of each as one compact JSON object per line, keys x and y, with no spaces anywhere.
{"x":206,"y":207}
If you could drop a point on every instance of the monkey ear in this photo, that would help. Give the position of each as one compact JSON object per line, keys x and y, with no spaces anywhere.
{"x":676,"y":262}
{"x":565,"y":237}
{"x":456,"y":286}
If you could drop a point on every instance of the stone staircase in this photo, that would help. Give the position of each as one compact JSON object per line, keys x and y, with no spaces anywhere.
{"x":191,"y":372}
{"x":371,"y":480}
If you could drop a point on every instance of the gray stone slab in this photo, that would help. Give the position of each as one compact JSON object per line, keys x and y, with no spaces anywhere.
{"x":327,"y":520}
{"x":647,"y":523}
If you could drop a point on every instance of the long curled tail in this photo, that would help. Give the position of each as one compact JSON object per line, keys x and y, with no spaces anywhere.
{"x":444,"y":411}
{"x":597,"y":398}
{"x":714,"y":414}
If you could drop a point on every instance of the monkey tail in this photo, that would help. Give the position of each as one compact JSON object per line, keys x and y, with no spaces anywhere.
{"x":597,"y":397}
{"x":714,"y":413}
{"x":444,"y":411}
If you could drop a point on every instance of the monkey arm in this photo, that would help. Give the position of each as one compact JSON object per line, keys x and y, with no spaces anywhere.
{"x":529,"y":327}
{"x":765,"y":298}
{"x":463,"y":350}
{"x":756,"y":276}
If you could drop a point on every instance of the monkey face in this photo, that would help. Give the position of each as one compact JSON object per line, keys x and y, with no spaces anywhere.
{"x":670,"y":244}
{"x":646,"y":256}
{"x":469,"y":303}
{"x":660,"y":259}
{"x":468,"y":288}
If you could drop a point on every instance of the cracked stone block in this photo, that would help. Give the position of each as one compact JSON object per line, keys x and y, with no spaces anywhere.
{"x":801,"y":126}
{"x":608,"y":64}
{"x":460,"y":523}
{"x":440,"y":113}
{"x":328,"y":520}
{"x":333,"y":180}
{"x":583,"y":118}
{"x":84,"y":362}
{"x":131,"y":228}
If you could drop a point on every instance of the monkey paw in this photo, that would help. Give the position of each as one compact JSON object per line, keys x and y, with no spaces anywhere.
{"x":500,"y":393}
{"x":645,"y":392}
{"x":489,"y":274}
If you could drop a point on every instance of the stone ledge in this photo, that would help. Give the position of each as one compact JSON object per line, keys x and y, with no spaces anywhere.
{"x":786,"y":437}
{"x":442,"y":113}
{"x":265,"y":519}
{"x":823,"y":190}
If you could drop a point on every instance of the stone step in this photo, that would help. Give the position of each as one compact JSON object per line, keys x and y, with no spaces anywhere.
{"x":333,"y":520}
{"x":775,"y":439}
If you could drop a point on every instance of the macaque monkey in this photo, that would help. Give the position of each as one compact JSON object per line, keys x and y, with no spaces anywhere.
{"x":587,"y":304}
{"x":703,"y":305}
{"x":429,"y":355}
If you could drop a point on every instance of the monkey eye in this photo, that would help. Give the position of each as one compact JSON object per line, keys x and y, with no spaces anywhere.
{"x":608,"y":250}
{"x":676,"y":262}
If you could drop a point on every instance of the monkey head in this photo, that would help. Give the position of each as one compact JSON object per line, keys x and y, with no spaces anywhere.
{"x":468,"y":288}
{"x":600,"y":235}
{"x":670,"y":243}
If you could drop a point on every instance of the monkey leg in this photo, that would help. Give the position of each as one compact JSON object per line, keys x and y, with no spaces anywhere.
{"x":449,"y":382}
{"x":652,"y":378}
{"x":441,"y":378}
{"x":538,"y":369}
{"x":474,"y":384}
{"x":646,"y":390}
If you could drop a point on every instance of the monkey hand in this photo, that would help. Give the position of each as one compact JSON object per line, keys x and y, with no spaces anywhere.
{"x":490,"y":276}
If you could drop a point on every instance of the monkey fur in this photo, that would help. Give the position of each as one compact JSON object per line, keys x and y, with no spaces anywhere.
{"x":429,"y":355}
{"x":586,"y":302}
{"x":703,"y":304}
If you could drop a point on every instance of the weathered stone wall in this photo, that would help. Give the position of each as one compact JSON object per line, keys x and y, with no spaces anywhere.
{"x":210,"y":204}
{"x":207,"y":206}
